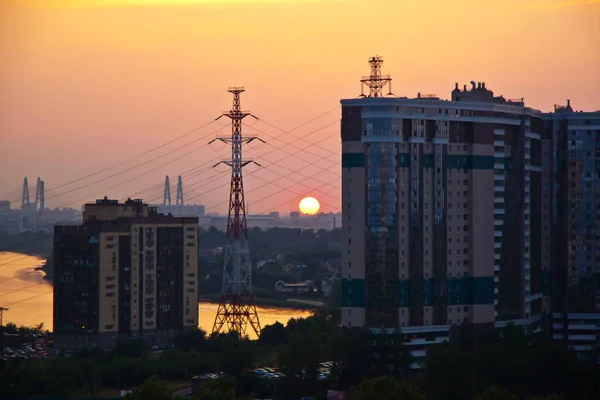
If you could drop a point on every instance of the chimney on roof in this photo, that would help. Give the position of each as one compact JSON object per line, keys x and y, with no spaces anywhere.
{"x":465,"y":88}
{"x":473,"y":85}
{"x":478,"y":85}
{"x":419,"y":95}
{"x":568,"y":103}
{"x":483,"y":85}
{"x":456,"y":86}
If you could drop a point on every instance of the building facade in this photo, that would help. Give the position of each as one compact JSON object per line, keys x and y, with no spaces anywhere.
{"x":475,"y":211}
{"x":125,"y":272}
{"x":572,"y":145}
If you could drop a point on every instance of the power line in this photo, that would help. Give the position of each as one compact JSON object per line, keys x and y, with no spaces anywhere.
{"x":138,"y":166}
{"x":216,"y":177}
{"x":119,"y":184}
{"x":269,"y":182}
{"x":254,"y":202}
{"x":298,"y":147}
{"x":123,"y":162}
{"x":248,"y":174}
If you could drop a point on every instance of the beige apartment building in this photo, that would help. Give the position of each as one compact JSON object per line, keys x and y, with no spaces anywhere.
{"x":125,"y":272}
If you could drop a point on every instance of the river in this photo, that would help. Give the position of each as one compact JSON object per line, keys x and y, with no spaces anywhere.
{"x":28,"y":297}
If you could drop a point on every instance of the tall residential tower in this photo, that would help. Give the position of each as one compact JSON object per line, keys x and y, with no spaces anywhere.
{"x":442,"y":225}
{"x":571,"y":155}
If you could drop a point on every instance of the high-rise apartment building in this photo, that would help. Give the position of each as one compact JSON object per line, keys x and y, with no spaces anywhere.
{"x":476,"y":211}
{"x":571,"y":154}
{"x":125,"y":272}
{"x":441,"y":223}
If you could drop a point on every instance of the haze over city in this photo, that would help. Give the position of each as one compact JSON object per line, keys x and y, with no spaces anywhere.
{"x":89,"y":84}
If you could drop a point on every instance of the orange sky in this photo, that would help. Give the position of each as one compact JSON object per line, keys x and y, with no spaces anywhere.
{"x":85,"y":84}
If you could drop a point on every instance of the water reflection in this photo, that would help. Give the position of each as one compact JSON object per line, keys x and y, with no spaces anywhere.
{"x":28,"y":297}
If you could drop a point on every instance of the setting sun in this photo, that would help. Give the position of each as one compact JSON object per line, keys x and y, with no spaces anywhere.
{"x":309,"y":206}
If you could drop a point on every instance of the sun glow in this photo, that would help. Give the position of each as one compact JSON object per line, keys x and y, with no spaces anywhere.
{"x":309,"y":206}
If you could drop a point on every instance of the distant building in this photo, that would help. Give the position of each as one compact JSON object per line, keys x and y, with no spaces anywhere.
{"x":302,"y":287}
{"x":4,"y":206}
{"x":125,"y":272}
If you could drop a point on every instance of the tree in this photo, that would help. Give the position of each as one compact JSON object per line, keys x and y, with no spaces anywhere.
{"x":193,"y":339}
{"x":496,"y":393}
{"x":220,"y":389}
{"x":552,"y":397}
{"x":131,"y":348}
{"x":273,"y":335}
{"x":151,"y":389}
{"x":384,"y":388}
{"x":448,"y":373}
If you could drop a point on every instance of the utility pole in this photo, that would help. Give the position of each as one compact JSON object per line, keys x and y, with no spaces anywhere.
{"x":2,"y":309}
{"x":236,"y":308}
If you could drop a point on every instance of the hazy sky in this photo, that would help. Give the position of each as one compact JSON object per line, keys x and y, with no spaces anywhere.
{"x":87,"y":84}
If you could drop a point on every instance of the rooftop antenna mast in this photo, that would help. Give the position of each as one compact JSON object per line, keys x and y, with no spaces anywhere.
{"x":236,"y":307}
{"x":375,"y":82}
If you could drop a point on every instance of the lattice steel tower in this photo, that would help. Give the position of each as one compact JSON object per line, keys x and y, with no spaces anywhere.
{"x":375,"y":82}
{"x":236,"y":308}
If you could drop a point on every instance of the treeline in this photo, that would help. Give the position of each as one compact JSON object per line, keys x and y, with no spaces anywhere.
{"x":31,"y":243}
{"x":509,"y":365}
{"x":267,"y":243}
{"x":305,"y":247}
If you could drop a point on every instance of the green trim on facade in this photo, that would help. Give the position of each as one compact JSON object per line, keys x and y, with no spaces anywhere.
{"x":470,"y":162}
{"x":403,"y":160}
{"x":353,"y":160}
{"x":457,"y":291}
{"x":403,"y":293}
{"x":428,"y":292}
{"x":353,"y":292}
{"x":461,"y":291}
{"x":471,"y":290}
{"x":481,"y":290}
{"x":427,"y":160}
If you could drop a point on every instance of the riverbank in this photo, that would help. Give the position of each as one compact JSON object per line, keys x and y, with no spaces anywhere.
{"x":295,"y":304}
{"x":37,"y":244}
